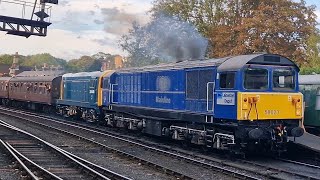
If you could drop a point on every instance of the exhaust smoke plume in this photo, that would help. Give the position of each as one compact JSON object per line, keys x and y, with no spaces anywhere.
{"x":170,"y":39}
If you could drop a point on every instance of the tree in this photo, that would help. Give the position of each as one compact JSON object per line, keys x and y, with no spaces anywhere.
{"x":236,"y":27}
{"x":134,"y":44}
{"x":6,"y":59}
{"x":85,"y":64}
{"x":39,"y":60}
{"x":202,"y":13}
{"x":312,"y":65}
{"x":313,"y":50}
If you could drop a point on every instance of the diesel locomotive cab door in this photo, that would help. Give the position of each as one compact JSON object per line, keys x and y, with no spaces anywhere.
{"x":93,"y":91}
{"x":210,"y":99}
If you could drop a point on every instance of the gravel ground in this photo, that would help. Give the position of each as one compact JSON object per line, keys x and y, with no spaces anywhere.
{"x":7,"y":168}
{"x":130,"y":168}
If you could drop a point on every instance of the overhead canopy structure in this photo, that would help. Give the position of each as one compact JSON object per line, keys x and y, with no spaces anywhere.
{"x":21,"y":26}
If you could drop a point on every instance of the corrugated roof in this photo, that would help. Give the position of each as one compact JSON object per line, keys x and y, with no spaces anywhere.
{"x":176,"y":65}
{"x":33,"y":78}
{"x":39,"y":73}
{"x":309,"y":79}
{"x":224,"y":64}
{"x":5,"y":78}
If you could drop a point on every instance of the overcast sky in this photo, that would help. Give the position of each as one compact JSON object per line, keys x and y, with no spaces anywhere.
{"x":82,"y":27}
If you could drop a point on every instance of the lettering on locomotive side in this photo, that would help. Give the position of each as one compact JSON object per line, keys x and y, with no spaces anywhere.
{"x":225,"y":98}
{"x":271,"y":112}
{"x":164,"y":100}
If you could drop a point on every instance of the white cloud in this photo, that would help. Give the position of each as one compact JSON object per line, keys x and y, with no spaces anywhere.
{"x":75,"y":30}
{"x":318,"y":15}
{"x":60,"y":43}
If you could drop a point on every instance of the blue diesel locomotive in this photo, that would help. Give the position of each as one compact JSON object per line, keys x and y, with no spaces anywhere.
{"x":229,"y":103}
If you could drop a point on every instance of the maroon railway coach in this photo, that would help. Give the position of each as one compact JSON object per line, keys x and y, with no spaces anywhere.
{"x":4,"y":87}
{"x":35,"y":89}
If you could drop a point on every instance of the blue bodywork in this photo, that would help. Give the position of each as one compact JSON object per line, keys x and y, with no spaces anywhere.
{"x":167,"y":90}
{"x":143,"y":89}
{"x":190,"y":87}
{"x":227,"y":111}
{"x":80,"y":90}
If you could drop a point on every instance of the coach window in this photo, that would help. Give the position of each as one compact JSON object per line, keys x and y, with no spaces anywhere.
{"x":256,"y":79}
{"x":283,"y":79}
{"x":227,"y":80}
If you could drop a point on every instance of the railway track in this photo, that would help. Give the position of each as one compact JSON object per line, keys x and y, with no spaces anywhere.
{"x":39,"y":159}
{"x":129,"y":149}
{"x":241,"y":168}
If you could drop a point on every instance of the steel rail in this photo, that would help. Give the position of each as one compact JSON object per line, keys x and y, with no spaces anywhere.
{"x":200,"y":162}
{"x":300,"y":163}
{"x":99,"y":131}
{"x":12,"y":149}
{"x":224,"y":170}
{"x":33,"y":176}
{"x":81,"y":162}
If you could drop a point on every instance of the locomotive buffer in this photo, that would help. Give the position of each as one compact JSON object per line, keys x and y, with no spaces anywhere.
{"x":27,"y":27}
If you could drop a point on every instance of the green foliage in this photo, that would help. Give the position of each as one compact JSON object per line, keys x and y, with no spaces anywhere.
{"x":312,"y":63}
{"x":133,"y":43}
{"x":6,"y":59}
{"x":38,"y":60}
{"x":310,"y":70}
{"x":313,"y":50}
{"x":90,"y":63}
{"x":85,"y":63}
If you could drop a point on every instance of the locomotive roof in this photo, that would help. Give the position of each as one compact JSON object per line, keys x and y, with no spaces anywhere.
{"x":84,"y":74}
{"x":231,"y":63}
{"x":5,"y":78}
{"x":33,"y":78}
{"x":39,"y":73}
{"x":237,"y":62}
{"x":309,"y":79}
{"x":36,"y":76}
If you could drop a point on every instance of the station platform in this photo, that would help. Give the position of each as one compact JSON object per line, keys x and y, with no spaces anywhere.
{"x":309,"y":141}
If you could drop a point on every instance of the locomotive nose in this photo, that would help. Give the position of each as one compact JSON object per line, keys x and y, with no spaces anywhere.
{"x":269,"y":106}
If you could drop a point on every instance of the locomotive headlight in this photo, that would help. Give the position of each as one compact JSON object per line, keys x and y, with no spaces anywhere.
{"x":245,"y":103}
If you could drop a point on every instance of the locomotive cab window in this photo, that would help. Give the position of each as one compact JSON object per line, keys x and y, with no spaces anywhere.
{"x":227,"y":80}
{"x":283,"y":79}
{"x":256,"y":79}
